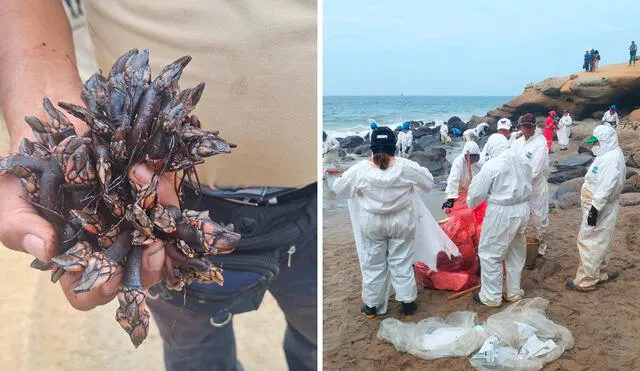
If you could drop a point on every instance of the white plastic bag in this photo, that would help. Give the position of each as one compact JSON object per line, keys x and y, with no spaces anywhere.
{"x":457,"y":335}
{"x":519,"y":348}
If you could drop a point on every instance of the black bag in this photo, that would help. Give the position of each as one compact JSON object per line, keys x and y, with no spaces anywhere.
{"x":270,"y":234}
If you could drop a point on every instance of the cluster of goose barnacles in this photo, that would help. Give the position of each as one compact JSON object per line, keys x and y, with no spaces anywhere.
{"x":79,"y":183}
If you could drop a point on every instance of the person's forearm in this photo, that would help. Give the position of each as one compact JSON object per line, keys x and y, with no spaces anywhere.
{"x":36,"y":59}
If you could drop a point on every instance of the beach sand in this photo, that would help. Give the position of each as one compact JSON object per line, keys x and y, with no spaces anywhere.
{"x":42,"y":332}
{"x":605,"y":323}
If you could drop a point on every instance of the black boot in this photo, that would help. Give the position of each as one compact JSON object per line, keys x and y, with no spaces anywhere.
{"x":409,"y":308}
{"x":367,"y":311}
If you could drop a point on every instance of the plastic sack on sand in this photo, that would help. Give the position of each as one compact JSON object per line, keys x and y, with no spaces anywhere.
{"x":522,"y":338}
{"x":457,"y":335}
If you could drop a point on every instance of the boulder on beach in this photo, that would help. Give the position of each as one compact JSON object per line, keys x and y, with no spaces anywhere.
{"x":352,"y":141}
{"x":424,"y":130}
{"x":584,"y":94}
{"x":583,"y":159}
{"x":570,"y":186}
{"x":630,"y":199}
{"x":425,"y":142}
{"x":433,"y":159}
{"x":456,"y":122}
{"x":561,"y":176}
{"x":363,"y":150}
{"x":632,"y":184}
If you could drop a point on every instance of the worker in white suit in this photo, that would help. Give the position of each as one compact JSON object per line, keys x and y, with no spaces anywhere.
{"x":533,"y":147}
{"x":444,"y":134}
{"x":505,"y":180}
{"x":463,"y":169}
{"x":407,"y":141}
{"x":600,"y":192}
{"x":564,"y":130}
{"x":400,"y":141}
{"x":384,"y":187}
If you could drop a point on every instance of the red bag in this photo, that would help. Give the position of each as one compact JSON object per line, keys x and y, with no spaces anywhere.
{"x":463,"y":227}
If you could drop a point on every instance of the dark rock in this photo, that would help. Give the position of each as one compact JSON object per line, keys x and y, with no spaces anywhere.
{"x":579,"y":160}
{"x":424,"y":130}
{"x":562,"y":176}
{"x":570,"y":186}
{"x":367,"y":137}
{"x":569,"y":200}
{"x":583,"y":149}
{"x":363,"y":150}
{"x":352,"y":141}
{"x":425,"y":142}
{"x":415,"y":124}
{"x":597,"y":115}
{"x":456,"y":122}
{"x":630,"y":173}
{"x":432,"y":160}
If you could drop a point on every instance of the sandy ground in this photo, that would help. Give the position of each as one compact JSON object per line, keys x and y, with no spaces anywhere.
{"x":42,"y":332}
{"x":604,"y":323}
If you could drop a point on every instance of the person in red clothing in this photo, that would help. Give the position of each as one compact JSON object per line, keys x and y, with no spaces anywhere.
{"x":550,"y":128}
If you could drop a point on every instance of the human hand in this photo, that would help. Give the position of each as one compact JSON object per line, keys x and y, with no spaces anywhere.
{"x":592,"y":217}
{"x":448,"y":204}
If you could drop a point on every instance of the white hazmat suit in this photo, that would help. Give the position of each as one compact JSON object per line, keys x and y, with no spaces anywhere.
{"x":535,"y":151}
{"x":444,"y":134}
{"x":610,"y":119}
{"x":400,"y":142}
{"x":388,"y":222}
{"x":505,"y":180}
{"x":460,"y":176}
{"x":480,"y":129}
{"x":602,"y":186}
{"x":328,"y":145}
{"x":407,"y":143}
{"x":564,"y":131}
{"x":470,"y":135}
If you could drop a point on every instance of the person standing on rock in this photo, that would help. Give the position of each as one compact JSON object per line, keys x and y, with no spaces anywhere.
{"x":505,"y":180}
{"x":463,"y":169}
{"x":610,"y":118}
{"x":382,"y":189}
{"x":550,"y":129}
{"x":600,"y":208}
{"x":481,"y":128}
{"x":470,"y":135}
{"x":329,"y":143}
{"x":587,"y":61}
{"x":407,"y":141}
{"x":564,"y":130}
{"x":444,"y":133}
{"x":632,"y":53}
{"x":533,"y":148}
{"x":400,"y":141}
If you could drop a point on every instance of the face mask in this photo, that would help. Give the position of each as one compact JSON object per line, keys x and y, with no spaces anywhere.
{"x":596,"y":150}
{"x":474,"y":158}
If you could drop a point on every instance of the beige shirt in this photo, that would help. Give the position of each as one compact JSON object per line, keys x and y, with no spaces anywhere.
{"x":258,"y":60}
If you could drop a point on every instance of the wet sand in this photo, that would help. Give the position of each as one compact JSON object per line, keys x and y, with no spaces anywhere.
{"x":605,"y":323}
{"x":42,"y":332}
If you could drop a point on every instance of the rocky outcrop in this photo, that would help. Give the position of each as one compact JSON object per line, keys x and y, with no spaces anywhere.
{"x":456,"y":122}
{"x":352,"y":141}
{"x":561,"y":176}
{"x":425,"y":142}
{"x":434,"y":159}
{"x":582,"y":93}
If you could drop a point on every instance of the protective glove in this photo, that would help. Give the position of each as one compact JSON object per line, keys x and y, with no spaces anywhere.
{"x":448,"y":204}
{"x":407,"y":150}
{"x":592,"y":217}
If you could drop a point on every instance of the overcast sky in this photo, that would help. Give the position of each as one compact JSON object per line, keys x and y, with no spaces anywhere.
{"x":467,"y":47}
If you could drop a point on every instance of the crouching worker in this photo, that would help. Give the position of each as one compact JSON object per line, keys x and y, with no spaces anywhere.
{"x":463,"y":169}
{"x":599,"y":195}
{"x":384,"y":222}
{"x":505,"y":180}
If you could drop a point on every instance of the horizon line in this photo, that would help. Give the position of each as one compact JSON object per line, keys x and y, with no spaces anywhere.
{"x":411,"y":95}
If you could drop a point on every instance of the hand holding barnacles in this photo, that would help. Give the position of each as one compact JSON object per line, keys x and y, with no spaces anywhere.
{"x":110,"y":195}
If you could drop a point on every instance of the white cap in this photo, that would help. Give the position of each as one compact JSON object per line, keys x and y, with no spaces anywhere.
{"x":504,"y":124}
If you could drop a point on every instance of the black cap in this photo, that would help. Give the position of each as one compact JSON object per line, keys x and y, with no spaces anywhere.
{"x":383,"y":140}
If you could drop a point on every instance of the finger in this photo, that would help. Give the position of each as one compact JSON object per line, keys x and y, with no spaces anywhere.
{"x":21,"y":228}
{"x":142,"y":175}
{"x":153,"y":257}
{"x":88,"y":300}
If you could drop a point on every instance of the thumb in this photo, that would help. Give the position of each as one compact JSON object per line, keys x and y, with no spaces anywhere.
{"x":142,"y":174}
{"x":21,"y":228}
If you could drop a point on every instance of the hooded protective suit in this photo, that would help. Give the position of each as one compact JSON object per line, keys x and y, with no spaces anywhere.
{"x":601,"y":189}
{"x":328,"y":145}
{"x":481,"y":128}
{"x":505,"y":180}
{"x":407,"y":143}
{"x":535,"y":151}
{"x":460,"y":176}
{"x":400,"y":143}
{"x":387,"y":221}
{"x":564,"y":130}
{"x":444,"y":134}
{"x":470,"y":135}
